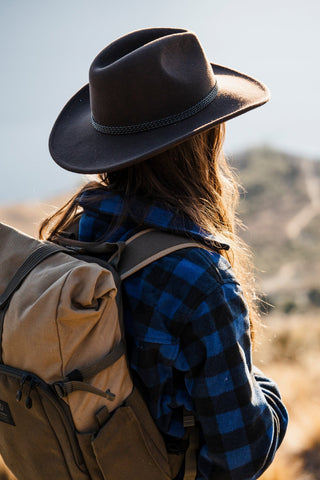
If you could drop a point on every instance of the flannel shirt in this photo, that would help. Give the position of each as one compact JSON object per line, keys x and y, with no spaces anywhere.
{"x":188,"y":338}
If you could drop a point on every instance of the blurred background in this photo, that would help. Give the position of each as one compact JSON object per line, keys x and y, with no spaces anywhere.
{"x":46,"y":51}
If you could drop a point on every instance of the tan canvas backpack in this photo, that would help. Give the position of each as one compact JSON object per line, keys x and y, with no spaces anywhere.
{"x":68,"y":405}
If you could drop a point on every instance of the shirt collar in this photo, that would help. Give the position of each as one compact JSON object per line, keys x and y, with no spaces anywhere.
{"x":100,"y":205}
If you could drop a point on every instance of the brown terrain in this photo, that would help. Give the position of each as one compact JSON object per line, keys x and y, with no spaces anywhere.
{"x":281,"y":211}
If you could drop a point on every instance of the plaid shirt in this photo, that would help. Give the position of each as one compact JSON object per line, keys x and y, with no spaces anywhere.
{"x":187,"y":331}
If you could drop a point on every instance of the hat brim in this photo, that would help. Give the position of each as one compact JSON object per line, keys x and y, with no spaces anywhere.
{"x":76,"y":146}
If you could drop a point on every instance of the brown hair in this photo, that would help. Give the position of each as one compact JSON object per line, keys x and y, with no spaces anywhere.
{"x":192,"y":179}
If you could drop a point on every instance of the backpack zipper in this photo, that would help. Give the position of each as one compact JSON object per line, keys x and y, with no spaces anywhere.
{"x":60,"y":405}
{"x":32,"y":383}
{"x":19,"y":392}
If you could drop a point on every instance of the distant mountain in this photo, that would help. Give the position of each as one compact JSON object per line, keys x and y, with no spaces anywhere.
{"x":281,"y":210}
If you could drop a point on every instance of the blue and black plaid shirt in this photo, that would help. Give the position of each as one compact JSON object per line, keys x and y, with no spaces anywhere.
{"x":187,"y":330}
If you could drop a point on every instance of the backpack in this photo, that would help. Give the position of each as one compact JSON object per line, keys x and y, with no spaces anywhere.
{"x":69,"y":408}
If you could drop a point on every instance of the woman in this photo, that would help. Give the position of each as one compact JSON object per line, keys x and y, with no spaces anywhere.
{"x":151,"y":125}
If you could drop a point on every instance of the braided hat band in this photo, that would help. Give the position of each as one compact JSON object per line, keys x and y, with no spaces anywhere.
{"x":162,"y":122}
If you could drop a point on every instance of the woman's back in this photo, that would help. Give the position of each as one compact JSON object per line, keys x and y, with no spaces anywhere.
{"x":188,"y":338}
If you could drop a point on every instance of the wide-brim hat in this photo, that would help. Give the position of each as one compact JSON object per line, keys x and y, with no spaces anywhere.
{"x":148,"y":91}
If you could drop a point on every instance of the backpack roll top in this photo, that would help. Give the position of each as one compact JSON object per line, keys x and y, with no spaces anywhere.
{"x":56,"y":322}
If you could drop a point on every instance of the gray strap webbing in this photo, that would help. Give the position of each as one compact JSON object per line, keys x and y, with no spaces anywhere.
{"x":93,"y":248}
{"x":104,"y":362}
{"x":41,"y":253}
{"x":191,"y":455}
{"x":65,"y":387}
{"x":190,"y":461}
{"x":149,"y":245}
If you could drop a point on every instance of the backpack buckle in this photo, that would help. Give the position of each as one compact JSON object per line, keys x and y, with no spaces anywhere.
{"x":59,"y":389}
{"x":189,"y":420}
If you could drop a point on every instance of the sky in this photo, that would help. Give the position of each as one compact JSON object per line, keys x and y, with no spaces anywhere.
{"x":46,"y":49}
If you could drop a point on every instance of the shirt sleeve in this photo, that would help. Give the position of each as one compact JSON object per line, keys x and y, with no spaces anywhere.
{"x":241,"y":416}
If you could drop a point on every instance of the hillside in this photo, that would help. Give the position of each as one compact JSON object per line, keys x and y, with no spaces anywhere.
{"x":281,"y":211}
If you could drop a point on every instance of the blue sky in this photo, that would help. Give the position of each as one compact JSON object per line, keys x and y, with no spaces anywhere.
{"x":47,"y":48}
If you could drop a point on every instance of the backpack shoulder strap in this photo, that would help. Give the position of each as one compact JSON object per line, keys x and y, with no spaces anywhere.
{"x":149,"y":245}
{"x":140,"y":250}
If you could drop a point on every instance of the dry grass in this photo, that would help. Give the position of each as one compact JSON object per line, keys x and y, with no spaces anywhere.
{"x":289,"y":353}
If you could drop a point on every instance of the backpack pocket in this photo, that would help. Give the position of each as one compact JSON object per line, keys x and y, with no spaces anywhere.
{"x":37,"y":440}
{"x":129,"y":445}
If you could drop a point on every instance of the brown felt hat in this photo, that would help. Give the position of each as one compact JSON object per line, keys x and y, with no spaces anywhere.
{"x":148,"y":91}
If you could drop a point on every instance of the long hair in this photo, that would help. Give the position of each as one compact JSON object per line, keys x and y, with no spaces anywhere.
{"x":192,"y":179}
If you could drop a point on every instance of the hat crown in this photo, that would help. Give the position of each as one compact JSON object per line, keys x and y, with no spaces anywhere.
{"x":148,"y":75}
